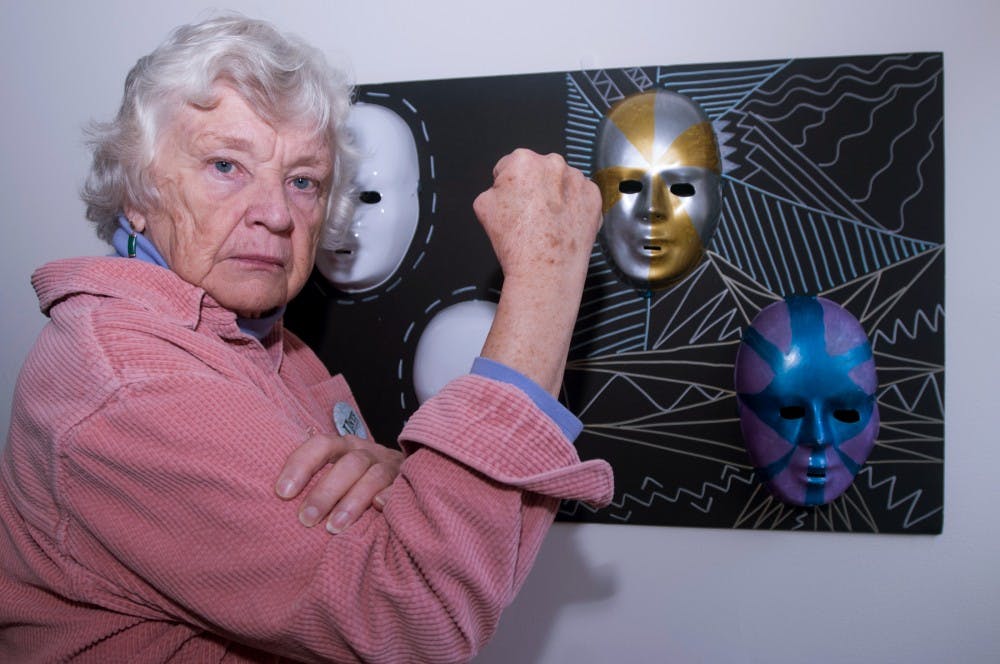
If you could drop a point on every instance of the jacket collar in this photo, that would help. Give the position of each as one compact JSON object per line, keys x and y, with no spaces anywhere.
{"x":147,"y":285}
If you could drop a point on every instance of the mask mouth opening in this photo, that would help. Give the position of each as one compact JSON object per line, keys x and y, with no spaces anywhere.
{"x":652,"y":247}
{"x":816,"y":473}
{"x":343,"y":252}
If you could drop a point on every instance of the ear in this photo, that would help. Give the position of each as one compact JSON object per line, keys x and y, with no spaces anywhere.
{"x":136,"y":218}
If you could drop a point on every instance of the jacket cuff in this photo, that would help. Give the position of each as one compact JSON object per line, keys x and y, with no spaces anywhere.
{"x":569,"y":423}
{"x":496,"y":429}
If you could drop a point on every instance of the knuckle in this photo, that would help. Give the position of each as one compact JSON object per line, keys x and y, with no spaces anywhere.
{"x":323,"y":440}
{"x":323,"y":445}
{"x":524,"y":160}
{"x":481,"y":205}
{"x":381,"y":474}
{"x":555,"y":159}
{"x":359,"y":457}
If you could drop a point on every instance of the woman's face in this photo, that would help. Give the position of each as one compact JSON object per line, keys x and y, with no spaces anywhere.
{"x":241,"y":203}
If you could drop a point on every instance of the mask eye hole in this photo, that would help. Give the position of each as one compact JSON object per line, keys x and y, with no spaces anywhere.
{"x":682,"y":189}
{"x":792,"y":412}
{"x":848,"y":415}
{"x":630,"y":186}
{"x":370,"y":197}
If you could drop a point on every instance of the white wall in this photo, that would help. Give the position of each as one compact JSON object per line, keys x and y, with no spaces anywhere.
{"x":610,"y":593}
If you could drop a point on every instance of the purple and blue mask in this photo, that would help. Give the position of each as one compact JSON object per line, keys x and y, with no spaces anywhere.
{"x":805,"y":384}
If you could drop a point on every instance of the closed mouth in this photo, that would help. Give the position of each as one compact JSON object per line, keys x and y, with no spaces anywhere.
{"x":261,"y":260}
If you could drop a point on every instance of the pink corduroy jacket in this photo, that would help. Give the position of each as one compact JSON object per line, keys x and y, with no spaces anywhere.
{"x":138,"y":519}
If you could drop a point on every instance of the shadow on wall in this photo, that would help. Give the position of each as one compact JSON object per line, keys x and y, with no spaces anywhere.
{"x":559,"y":579}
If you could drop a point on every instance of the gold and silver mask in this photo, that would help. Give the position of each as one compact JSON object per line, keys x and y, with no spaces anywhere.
{"x":658,"y":167}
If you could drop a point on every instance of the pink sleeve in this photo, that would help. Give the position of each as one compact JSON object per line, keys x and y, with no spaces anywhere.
{"x":495,"y":428}
{"x":168,"y":518}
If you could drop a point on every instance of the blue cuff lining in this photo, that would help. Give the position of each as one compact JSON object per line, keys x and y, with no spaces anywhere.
{"x":571,"y":426}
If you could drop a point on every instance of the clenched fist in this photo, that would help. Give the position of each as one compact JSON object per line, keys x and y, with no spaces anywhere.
{"x":541,"y":216}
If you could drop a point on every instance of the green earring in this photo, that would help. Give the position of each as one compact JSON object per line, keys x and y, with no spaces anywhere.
{"x":131,"y":244}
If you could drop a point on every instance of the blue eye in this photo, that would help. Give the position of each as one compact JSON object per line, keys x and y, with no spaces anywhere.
{"x":224,"y":166}
{"x":302,"y":183}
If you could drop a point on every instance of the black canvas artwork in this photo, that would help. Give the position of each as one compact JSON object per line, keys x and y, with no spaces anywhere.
{"x":833,"y":185}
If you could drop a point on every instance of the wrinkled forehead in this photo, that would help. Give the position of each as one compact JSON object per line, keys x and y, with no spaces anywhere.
{"x":657,"y":130}
{"x":289,"y":112}
{"x":231,"y":118}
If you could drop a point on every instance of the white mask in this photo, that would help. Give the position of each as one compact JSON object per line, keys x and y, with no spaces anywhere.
{"x":448,"y":345}
{"x":388,"y":207}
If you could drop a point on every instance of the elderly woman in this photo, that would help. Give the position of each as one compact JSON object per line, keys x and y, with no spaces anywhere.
{"x":164,"y":420}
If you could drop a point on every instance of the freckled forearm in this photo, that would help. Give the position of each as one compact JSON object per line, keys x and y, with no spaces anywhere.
{"x":533,"y":327}
{"x":542,"y":217}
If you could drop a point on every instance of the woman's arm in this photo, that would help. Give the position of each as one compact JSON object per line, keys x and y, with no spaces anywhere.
{"x":171,"y":519}
{"x":542,"y":217}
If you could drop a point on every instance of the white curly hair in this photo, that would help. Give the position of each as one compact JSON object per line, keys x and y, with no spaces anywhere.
{"x":280,"y":76}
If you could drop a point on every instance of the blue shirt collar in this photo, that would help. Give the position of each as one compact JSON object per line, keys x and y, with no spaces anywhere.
{"x":144,"y":249}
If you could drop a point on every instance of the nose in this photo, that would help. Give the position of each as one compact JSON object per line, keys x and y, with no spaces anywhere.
{"x":269,"y":205}
{"x":815,"y":430}
{"x":654,"y":205}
